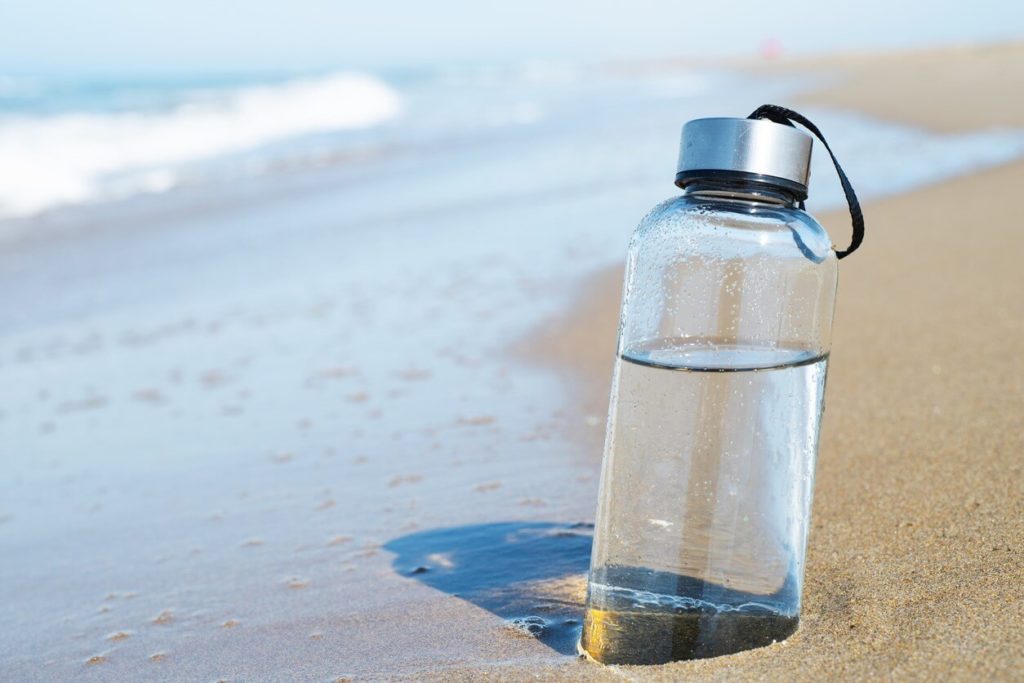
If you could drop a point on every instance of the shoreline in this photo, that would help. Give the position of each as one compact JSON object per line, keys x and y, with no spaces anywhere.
{"x":326,"y":456}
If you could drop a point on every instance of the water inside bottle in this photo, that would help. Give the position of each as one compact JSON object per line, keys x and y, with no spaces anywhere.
{"x":627,"y":626}
{"x":705,"y":498}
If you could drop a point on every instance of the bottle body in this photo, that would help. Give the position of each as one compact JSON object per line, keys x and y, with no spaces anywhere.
{"x":713,"y":428}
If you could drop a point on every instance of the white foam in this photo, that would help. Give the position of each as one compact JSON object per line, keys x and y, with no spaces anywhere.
{"x":77,"y":157}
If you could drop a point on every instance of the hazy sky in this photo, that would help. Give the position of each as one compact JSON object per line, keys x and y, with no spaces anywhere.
{"x":232,"y":35}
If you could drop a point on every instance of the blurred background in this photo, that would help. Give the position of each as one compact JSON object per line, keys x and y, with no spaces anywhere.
{"x":290,"y":284}
{"x":104,"y":99}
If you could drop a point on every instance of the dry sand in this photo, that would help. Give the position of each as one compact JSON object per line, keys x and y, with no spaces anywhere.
{"x":969,"y":87}
{"x":915,"y":565}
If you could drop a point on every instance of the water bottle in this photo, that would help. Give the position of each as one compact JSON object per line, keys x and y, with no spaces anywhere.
{"x":716,"y":403}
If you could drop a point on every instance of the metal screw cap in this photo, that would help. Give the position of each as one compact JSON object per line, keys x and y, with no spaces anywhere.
{"x":757,"y":148}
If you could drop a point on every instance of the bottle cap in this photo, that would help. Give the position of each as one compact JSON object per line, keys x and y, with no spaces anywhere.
{"x":758,"y":149}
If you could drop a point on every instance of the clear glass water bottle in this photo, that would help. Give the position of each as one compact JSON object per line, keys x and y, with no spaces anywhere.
{"x":716,"y":405}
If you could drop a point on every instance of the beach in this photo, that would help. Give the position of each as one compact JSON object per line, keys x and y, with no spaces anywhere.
{"x":251,"y":434}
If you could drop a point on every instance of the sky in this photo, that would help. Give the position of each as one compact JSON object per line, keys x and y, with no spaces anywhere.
{"x":186,"y":36}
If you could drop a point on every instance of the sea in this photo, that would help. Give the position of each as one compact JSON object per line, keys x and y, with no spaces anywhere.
{"x":510,"y":127}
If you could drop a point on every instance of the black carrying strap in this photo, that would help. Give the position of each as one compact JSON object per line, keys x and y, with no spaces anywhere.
{"x":788,"y":117}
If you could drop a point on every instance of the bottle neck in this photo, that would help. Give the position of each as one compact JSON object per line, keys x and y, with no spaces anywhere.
{"x":737,"y":188}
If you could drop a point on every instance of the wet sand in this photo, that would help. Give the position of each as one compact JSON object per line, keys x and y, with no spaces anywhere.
{"x":257,"y":475}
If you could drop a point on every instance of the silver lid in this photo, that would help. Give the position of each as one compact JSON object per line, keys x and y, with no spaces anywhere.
{"x":767,"y":150}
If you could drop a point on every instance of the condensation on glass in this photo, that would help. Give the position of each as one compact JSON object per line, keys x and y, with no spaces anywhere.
{"x":716,"y":405}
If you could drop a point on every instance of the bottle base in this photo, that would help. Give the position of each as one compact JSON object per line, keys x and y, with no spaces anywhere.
{"x":656,"y":637}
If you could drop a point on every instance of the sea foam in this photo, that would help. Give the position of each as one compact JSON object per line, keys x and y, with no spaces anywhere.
{"x":77,"y":157}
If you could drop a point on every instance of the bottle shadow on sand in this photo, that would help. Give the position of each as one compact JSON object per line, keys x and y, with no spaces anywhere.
{"x":531,"y":574}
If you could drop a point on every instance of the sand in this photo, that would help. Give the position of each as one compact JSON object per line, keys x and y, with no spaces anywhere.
{"x":968,"y":87}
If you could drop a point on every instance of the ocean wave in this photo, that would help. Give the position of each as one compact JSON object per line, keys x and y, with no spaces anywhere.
{"x":77,"y":157}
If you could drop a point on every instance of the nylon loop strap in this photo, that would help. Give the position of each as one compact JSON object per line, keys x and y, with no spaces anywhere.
{"x":788,"y":117}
